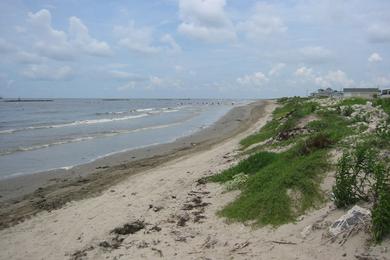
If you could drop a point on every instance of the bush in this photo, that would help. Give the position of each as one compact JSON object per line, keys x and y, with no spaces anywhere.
{"x":384,"y":103}
{"x":361,"y":176}
{"x":314,"y":142}
{"x":237,"y":182}
{"x":355,"y":170}
{"x":348,"y":111}
{"x":343,"y":191}
{"x":381,"y":208}
{"x":353,"y":101}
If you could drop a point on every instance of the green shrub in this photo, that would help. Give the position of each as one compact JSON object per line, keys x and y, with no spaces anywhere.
{"x":237,"y":182}
{"x":314,"y":142}
{"x":384,"y":103}
{"x":355,"y":170}
{"x":361,"y":176}
{"x":381,"y":208}
{"x":317,"y":125}
{"x":348,"y":111}
{"x":353,"y":101}
{"x":346,"y":180}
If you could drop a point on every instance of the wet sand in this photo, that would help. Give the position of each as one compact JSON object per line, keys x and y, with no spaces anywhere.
{"x":21,"y":197}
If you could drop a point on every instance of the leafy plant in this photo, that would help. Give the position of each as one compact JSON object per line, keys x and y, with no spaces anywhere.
{"x":361,"y":176}
{"x":314,"y":142}
{"x":344,"y":192}
{"x":353,"y":101}
{"x":354,"y":172}
{"x":348,"y":111}
{"x":381,"y":208}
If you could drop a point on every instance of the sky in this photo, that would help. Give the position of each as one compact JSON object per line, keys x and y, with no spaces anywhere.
{"x":191,"y":48}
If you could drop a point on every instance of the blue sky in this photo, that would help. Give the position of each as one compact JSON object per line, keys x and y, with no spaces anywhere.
{"x":191,"y":48}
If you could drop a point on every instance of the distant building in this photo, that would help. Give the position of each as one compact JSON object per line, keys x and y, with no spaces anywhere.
{"x":326,"y":93}
{"x":361,"y":92}
{"x":385,"y":93}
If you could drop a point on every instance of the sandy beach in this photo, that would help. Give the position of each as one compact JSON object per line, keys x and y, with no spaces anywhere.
{"x":164,"y":211}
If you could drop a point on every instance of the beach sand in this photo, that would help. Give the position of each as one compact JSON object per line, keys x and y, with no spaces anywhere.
{"x":164,"y":211}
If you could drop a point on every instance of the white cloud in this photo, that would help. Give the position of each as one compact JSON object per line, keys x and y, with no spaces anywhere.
{"x":156,"y":81}
{"x":276,"y":69}
{"x":124,"y":75}
{"x":28,"y":57}
{"x":81,"y":39}
{"x":136,"y":39}
{"x":160,"y":82}
{"x":170,"y":41}
{"x":379,"y":33}
{"x":5,"y":82}
{"x":304,"y":72}
{"x":255,"y":79}
{"x":20,"y":29}
{"x":50,"y":42}
{"x":263,"y":23}
{"x":382,"y":81}
{"x":207,"y":34}
{"x":48,"y":73}
{"x":315,"y":54}
{"x":178,"y":68}
{"x":120,"y":74}
{"x":205,"y":20}
{"x":59,"y":45}
{"x":334,"y":79}
{"x":6,"y":47}
{"x":375,"y":57}
{"x":127,"y":86}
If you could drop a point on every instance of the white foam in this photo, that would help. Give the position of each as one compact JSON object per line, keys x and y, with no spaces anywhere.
{"x":75,"y":123}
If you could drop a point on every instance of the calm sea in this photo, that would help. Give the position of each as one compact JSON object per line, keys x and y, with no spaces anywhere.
{"x":44,"y":135}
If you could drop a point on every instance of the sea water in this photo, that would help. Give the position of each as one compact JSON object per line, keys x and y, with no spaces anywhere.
{"x":41,"y":135}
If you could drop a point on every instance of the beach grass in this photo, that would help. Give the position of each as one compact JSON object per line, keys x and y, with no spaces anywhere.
{"x":353,"y":101}
{"x":267,"y":196}
{"x":282,"y":186}
{"x":293,"y":109}
{"x":384,"y":103}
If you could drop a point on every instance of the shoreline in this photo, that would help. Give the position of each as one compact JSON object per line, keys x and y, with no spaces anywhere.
{"x":27,"y":195}
{"x":170,"y":212}
{"x":109,"y":154}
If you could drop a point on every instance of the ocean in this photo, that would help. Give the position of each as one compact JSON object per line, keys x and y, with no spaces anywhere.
{"x":41,"y":135}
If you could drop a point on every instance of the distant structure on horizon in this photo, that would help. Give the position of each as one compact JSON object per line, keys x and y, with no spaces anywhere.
{"x":361,"y":92}
{"x":352,"y":92}
{"x":327,"y":93}
{"x":385,"y":93}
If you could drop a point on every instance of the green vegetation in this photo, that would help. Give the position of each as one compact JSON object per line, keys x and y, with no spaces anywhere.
{"x":353,"y":101}
{"x":284,"y":119}
{"x":361,"y":176}
{"x":278,"y":187}
{"x":353,"y":170}
{"x":381,"y":209}
{"x":384,"y":103}
{"x":333,"y":125}
{"x":249,"y":166}
{"x":265,"y":196}
{"x":268,"y":131}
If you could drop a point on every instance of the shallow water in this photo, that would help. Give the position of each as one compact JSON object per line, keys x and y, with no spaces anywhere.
{"x":39,"y":136}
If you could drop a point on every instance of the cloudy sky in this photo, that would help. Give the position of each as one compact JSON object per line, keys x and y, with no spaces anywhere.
{"x":191,"y":48}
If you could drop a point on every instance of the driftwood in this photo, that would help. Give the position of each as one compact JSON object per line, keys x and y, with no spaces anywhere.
{"x":283,"y":242}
